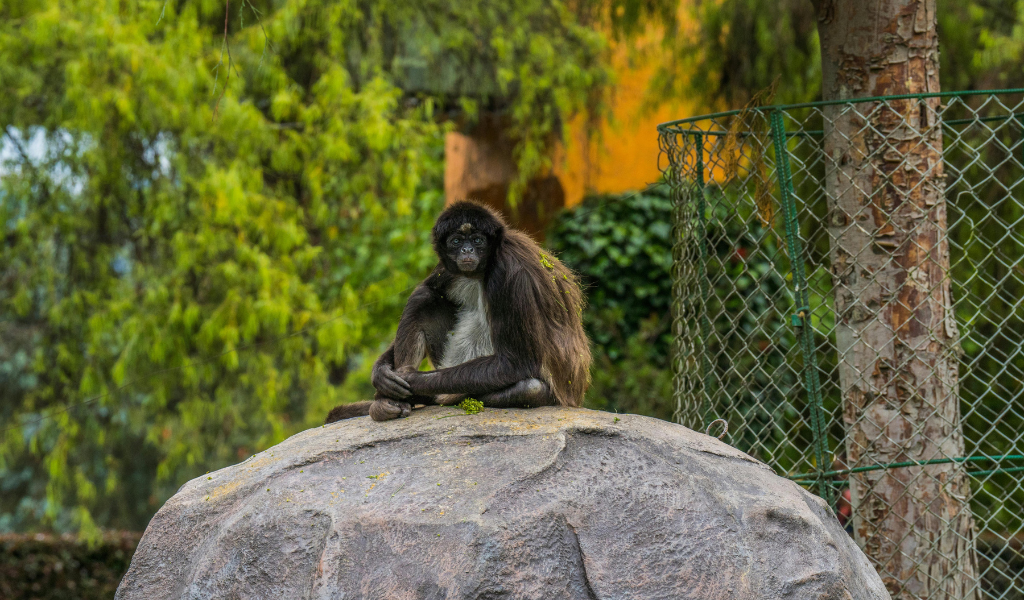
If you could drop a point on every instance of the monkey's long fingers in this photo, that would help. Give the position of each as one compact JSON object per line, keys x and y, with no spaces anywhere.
{"x":391,"y":378}
{"x":389,"y":384}
{"x":403,"y":385}
{"x":393,"y":386}
{"x":389,"y":390}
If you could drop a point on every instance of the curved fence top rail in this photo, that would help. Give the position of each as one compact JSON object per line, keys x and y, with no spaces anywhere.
{"x":677,"y":125}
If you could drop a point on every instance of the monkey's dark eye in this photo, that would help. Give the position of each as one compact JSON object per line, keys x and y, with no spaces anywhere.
{"x":454,"y":241}
{"x":478,"y":241}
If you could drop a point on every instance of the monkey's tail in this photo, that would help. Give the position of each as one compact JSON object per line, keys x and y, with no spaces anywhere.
{"x":348,"y":411}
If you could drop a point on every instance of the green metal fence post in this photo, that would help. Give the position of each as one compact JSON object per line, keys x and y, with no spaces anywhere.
{"x":705,"y":286}
{"x":801,"y":319}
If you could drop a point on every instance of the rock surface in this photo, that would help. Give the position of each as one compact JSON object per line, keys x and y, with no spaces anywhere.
{"x":543,"y":503}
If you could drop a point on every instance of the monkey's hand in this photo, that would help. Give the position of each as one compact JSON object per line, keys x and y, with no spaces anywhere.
{"x":388,"y":383}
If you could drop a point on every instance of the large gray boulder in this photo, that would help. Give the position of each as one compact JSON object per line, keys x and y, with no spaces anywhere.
{"x":544,"y":503}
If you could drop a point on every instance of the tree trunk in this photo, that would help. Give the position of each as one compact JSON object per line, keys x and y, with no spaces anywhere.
{"x":896,"y":334}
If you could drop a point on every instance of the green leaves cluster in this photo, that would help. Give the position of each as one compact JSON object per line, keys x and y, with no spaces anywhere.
{"x":205,"y":242}
{"x":622,"y":248}
{"x":725,"y":51}
{"x":471,"y":406}
{"x":745,"y":46}
{"x":982,"y":44}
{"x":621,"y":245}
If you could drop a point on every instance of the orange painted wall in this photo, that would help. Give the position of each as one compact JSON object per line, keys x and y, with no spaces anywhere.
{"x":623,"y":155}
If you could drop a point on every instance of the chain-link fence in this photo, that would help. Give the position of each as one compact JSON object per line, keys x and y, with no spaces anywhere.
{"x":849,"y":292}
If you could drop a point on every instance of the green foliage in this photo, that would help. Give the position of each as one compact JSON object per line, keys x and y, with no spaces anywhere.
{"x":204,"y":239}
{"x":471,"y":406}
{"x":728,"y":50}
{"x":621,"y":247}
{"x":986,"y":39}
{"x":638,"y":381}
{"x":731,"y":49}
{"x":479,"y":55}
{"x":48,"y":567}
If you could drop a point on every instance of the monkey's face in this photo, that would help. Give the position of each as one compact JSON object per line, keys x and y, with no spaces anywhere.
{"x":467,"y":239}
{"x":468,"y":248}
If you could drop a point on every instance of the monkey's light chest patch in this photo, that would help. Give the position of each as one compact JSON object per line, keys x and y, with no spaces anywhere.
{"x":471,"y":337}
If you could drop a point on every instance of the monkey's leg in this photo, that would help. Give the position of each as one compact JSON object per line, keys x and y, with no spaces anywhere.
{"x":407,"y":359}
{"x":408,"y":356}
{"x":450,"y":399}
{"x":527,"y":393}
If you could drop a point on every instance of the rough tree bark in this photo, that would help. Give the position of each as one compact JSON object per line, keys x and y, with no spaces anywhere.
{"x":896,"y":333}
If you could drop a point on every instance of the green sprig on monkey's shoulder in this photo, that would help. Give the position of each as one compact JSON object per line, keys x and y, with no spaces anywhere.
{"x":471,"y":406}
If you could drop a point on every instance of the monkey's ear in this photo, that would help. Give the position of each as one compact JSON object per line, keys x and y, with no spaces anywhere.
{"x":491,"y":223}
{"x":498,"y":236}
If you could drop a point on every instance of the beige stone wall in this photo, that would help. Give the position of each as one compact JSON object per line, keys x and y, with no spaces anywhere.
{"x":621,"y":154}
{"x":479,"y":166}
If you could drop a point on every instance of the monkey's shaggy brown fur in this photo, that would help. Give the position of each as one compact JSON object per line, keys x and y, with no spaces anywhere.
{"x":541,"y":355}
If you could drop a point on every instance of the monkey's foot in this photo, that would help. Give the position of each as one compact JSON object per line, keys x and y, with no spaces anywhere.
{"x":450,"y":399}
{"x":386,"y":409}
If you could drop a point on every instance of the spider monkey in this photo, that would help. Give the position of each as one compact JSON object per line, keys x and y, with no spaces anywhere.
{"x":499,"y":319}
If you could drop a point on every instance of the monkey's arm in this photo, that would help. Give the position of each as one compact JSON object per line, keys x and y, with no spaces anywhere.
{"x":515,"y":323}
{"x":421,"y":332}
{"x":384,"y":378}
{"x":481,"y":375}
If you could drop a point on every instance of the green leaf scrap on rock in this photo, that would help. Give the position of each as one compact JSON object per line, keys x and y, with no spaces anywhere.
{"x":471,"y":406}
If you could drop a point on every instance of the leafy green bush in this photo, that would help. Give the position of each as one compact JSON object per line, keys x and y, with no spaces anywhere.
{"x":209,"y":221}
{"x":621,"y":247}
{"x":48,"y":567}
